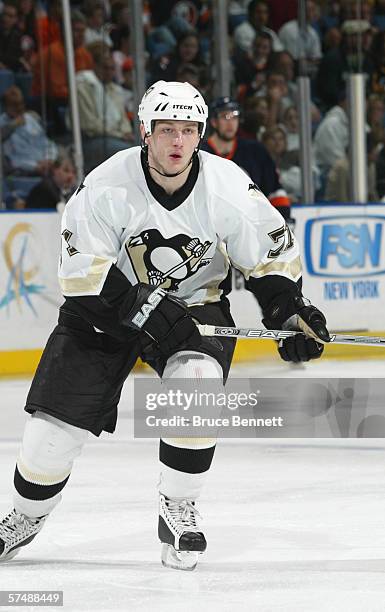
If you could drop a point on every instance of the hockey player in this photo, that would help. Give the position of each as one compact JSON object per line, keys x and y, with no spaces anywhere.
{"x":146,"y":241}
{"x":248,"y":154}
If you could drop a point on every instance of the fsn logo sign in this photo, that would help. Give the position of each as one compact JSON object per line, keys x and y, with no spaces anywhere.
{"x":352,"y":245}
{"x":345,"y":246}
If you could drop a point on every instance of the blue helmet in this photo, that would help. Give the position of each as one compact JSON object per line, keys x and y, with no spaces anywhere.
{"x":224,"y":103}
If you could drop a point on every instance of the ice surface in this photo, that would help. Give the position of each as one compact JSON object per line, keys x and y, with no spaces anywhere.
{"x":291,"y":525}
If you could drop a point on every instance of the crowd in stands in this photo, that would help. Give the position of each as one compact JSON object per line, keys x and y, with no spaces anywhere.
{"x":265,"y":46}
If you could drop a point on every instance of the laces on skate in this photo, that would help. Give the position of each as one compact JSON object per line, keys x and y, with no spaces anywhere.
{"x":179,"y":533}
{"x":17,"y":530}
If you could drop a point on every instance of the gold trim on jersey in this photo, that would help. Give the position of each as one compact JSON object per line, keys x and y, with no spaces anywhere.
{"x":291,"y":269}
{"x":86,"y":284}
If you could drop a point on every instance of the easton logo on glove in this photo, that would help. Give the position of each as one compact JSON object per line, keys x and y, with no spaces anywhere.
{"x":148,"y":307}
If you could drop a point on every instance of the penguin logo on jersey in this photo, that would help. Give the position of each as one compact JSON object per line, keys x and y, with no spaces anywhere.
{"x":166,"y":262}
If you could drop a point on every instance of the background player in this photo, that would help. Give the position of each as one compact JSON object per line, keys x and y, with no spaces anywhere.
{"x":146,"y":242}
{"x":248,"y":154}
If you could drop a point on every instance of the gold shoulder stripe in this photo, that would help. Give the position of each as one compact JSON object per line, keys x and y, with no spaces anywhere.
{"x":90,"y":282}
{"x":291,"y":269}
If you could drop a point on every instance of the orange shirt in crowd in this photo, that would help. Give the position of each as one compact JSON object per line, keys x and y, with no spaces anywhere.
{"x":47,"y":30}
{"x":55,"y":70}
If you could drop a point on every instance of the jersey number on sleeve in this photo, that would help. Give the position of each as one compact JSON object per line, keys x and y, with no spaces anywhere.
{"x":284,"y":235}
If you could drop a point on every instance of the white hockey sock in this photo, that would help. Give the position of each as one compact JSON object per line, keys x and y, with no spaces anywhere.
{"x":48,"y":450}
{"x":185,"y":461}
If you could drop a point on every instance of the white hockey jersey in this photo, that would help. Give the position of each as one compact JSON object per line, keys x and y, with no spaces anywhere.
{"x":115,"y":219}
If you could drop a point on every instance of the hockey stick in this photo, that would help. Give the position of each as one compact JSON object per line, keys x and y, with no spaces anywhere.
{"x":275,"y":334}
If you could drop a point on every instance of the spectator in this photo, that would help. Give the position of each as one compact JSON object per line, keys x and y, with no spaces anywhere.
{"x":332,"y":39}
{"x":332,"y":136}
{"x":170,"y":19}
{"x":376,"y":117}
{"x":28,"y":53}
{"x":329,"y":20}
{"x":27,"y":18}
{"x":121,"y":53}
{"x":291,"y":39}
{"x":104,"y":123}
{"x":338,"y":184}
{"x":54,"y":75}
{"x":258,"y":18}
{"x":54,"y":62}
{"x":48,"y":25}
{"x":187,"y":52}
{"x":120,"y":17}
{"x":283,"y":64}
{"x":162,"y":12}
{"x":10,"y":37}
{"x":249,"y":155}
{"x":291,"y":124}
{"x":274,"y":139}
{"x":276,"y":91}
{"x":287,"y":162}
{"x":255,"y":118}
{"x":26,"y":148}
{"x":96,"y":30}
{"x":337,"y":62}
{"x":57,"y":187}
{"x":250,"y":67}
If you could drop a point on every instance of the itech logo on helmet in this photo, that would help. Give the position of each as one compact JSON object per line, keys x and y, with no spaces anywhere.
{"x":182,"y":106}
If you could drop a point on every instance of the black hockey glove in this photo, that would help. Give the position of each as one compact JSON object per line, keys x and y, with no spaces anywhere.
{"x":294,"y":313}
{"x":163,"y":317}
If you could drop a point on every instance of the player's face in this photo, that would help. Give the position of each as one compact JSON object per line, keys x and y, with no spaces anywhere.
{"x":226,"y":125}
{"x":172,"y":144}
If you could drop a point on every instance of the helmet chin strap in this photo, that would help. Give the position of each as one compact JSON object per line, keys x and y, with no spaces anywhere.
{"x":175,"y":173}
{"x":145,"y":150}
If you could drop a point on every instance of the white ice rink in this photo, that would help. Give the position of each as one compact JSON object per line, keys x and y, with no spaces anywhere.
{"x":291,"y":525}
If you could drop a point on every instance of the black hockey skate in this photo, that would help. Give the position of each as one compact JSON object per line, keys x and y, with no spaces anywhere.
{"x":178,"y":531}
{"x":17,"y":530}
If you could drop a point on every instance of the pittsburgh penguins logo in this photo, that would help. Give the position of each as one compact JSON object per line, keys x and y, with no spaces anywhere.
{"x":166,"y":262}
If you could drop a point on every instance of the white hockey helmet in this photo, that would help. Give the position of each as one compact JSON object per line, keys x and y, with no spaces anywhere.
{"x":172,"y":101}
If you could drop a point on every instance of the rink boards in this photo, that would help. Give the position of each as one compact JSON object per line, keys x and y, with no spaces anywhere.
{"x":343,"y":257}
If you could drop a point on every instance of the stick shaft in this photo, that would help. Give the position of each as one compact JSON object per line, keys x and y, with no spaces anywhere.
{"x":275,"y":334}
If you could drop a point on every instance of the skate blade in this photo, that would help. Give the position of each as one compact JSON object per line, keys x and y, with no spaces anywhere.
{"x":9,"y":556}
{"x":181,"y":560}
